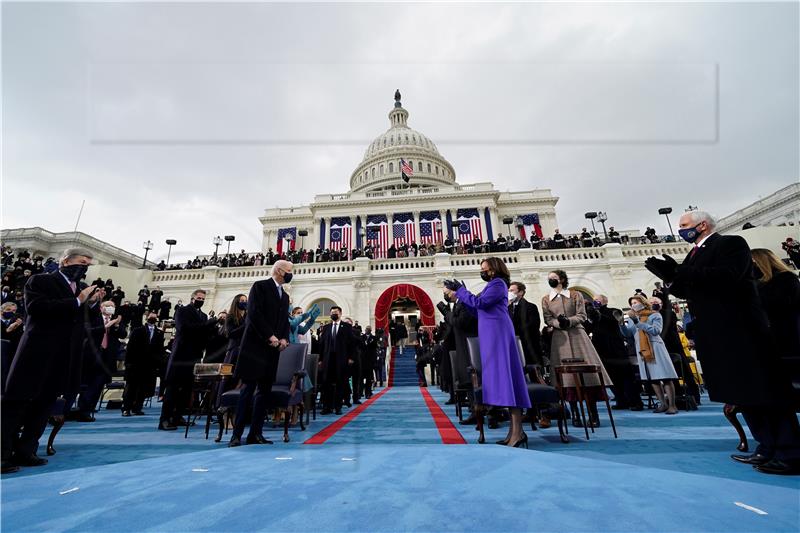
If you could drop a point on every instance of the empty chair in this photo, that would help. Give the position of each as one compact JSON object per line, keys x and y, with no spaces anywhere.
{"x":310,"y":395}
{"x":287,"y":390}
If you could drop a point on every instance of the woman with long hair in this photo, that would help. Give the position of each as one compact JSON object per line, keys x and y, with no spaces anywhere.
{"x":502,"y":374}
{"x":234,"y":326}
{"x":655,"y":365}
{"x":779,"y":289}
{"x":564,"y":311}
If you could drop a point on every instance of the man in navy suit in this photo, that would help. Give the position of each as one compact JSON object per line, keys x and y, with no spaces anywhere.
{"x":266,"y":334}
{"x":339,"y":344}
{"x":142,"y":360}
{"x":732,"y":339}
{"x":47,"y":361}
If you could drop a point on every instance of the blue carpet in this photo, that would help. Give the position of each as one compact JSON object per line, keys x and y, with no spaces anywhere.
{"x":388,"y":471}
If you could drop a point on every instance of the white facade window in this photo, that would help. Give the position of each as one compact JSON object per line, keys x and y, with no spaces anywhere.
{"x":381,"y":170}
{"x":437,"y":170}
{"x":429,"y":168}
{"x":391,"y":168}
{"x":373,"y":172}
{"x":419,"y":166}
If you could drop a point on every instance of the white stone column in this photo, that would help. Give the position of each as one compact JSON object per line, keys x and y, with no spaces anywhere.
{"x":443,"y":217}
{"x":417,"y":238}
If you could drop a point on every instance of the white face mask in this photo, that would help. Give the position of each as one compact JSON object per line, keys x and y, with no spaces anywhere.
{"x":511,"y":296}
{"x":637,"y":306}
{"x":109,"y":310}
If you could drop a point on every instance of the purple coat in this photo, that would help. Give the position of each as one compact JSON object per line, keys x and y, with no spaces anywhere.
{"x":503,"y":378}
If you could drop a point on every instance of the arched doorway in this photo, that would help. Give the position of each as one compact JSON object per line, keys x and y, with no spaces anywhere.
{"x":404,"y":292}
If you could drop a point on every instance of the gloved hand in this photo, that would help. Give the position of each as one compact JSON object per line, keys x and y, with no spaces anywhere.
{"x":452,"y":284}
{"x":662,"y":268}
{"x":563,"y":322}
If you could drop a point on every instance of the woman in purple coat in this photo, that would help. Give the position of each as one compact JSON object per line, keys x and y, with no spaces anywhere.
{"x":503,"y":377}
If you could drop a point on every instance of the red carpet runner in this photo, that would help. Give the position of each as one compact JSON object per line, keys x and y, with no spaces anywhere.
{"x":329,"y":431}
{"x":448,"y":432}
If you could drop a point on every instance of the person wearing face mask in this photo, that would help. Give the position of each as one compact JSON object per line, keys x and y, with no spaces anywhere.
{"x":338,"y":342}
{"x":645,"y":324}
{"x":608,"y":340}
{"x":143,"y":356}
{"x":217,"y":346}
{"x":193,"y":328}
{"x":234,"y":327}
{"x":300,"y":324}
{"x":48,"y":358}
{"x":503,"y":378}
{"x":11,"y":329}
{"x":99,"y":359}
{"x":564,"y":311}
{"x":741,"y":367}
{"x":525,"y":316}
{"x":266,"y":334}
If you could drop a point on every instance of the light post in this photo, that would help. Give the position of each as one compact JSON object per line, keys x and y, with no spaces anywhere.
{"x":591,"y":215}
{"x":230,"y":239}
{"x":602,"y":217}
{"x":170,"y":243}
{"x":508,"y":221}
{"x":147,"y":247}
{"x":302,"y":233}
{"x":217,"y":242}
{"x":690,"y":208}
{"x":666,"y":211}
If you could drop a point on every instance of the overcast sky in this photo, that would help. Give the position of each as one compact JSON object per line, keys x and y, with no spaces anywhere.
{"x":187,"y":120}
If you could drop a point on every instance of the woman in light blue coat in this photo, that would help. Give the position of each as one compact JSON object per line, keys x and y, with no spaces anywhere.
{"x":645,"y":324}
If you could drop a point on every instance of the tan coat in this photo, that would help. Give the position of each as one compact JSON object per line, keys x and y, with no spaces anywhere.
{"x":573,"y":342}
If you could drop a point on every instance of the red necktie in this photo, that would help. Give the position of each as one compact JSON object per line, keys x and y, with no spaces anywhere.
{"x":694,"y":251}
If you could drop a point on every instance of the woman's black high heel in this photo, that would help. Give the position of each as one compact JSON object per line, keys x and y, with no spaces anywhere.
{"x":503,"y":442}
{"x":523,"y":440}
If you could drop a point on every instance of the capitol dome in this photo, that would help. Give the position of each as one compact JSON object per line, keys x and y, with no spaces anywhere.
{"x":380,"y":168}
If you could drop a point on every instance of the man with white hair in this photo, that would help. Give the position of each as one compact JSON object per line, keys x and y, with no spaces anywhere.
{"x":732,"y":339}
{"x":266,"y":334}
{"x":47,"y":361}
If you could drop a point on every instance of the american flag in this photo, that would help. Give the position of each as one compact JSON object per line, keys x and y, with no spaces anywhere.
{"x":378,"y":234}
{"x":406,"y":170}
{"x":289,"y":235}
{"x":403,"y":229}
{"x":341,"y":233}
{"x":469,"y":225}
{"x":430,"y":227}
{"x":530,"y":225}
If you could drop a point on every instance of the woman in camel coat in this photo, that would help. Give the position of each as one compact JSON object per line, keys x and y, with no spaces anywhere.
{"x":565,"y":311}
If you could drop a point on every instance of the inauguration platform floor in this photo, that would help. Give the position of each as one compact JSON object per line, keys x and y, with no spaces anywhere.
{"x":401,"y":462}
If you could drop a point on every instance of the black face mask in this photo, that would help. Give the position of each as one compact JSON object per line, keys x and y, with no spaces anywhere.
{"x":74,"y":272}
{"x":552,"y":282}
{"x":198,"y":303}
{"x":242,"y":305}
{"x":152,"y":320}
{"x":334,"y":317}
{"x":485,"y":276}
{"x":287,"y":277}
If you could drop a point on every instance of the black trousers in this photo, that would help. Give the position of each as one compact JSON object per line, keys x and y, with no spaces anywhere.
{"x":625,"y":388}
{"x":333,"y":393}
{"x":357,"y":379}
{"x":137,"y":390}
{"x":258,"y":393}
{"x":776,"y":430}
{"x":176,"y":400}
{"x":29,"y":416}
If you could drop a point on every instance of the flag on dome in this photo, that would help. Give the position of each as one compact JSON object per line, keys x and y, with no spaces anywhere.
{"x":406,"y":170}
{"x":530,"y":225}
{"x":430,"y":227}
{"x":377,"y":234}
{"x":286,"y":240}
{"x":469,"y":225}
{"x":403,"y":229}
{"x":341,"y":233}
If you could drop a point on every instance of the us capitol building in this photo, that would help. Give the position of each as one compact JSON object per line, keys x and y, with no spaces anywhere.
{"x":380,"y":207}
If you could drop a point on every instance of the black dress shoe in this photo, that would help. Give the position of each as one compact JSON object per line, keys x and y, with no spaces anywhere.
{"x":28,"y":459}
{"x":166,"y":426}
{"x":620,"y":406}
{"x":85,"y":417}
{"x":356,"y":402}
{"x":325,"y":412}
{"x":234,"y":442}
{"x":139,"y":413}
{"x":126,"y":413}
{"x":451,"y":401}
{"x":258,"y":439}
{"x":776,"y":466}
{"x":179,"y":422}
{"x":750,"y":459}
{"x":637,"y":408}
{"x":8,"y":467}
{"x":338,"y":411}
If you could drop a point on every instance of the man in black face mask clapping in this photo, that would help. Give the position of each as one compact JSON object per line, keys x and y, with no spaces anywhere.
{"x":193,"y":329}
{"x":47,"y":361}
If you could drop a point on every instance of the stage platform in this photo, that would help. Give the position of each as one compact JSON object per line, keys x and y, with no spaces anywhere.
{"x":386,"y":467}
